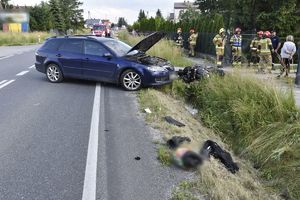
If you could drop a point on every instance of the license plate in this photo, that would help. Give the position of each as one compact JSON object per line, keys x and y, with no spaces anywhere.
{"x":173,"y":76}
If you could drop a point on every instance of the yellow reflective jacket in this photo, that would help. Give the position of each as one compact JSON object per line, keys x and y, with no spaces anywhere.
{"x":236,"y":40}
{"x":255,"y":45}
{"x":193,"y":38}
{"x":219,"y":41}
{"x":266,"y":46}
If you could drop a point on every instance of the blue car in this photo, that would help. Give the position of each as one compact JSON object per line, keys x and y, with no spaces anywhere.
{"x":105,"y":60}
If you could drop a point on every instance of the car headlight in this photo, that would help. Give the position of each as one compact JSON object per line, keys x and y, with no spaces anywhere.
{"x":156,"y":69}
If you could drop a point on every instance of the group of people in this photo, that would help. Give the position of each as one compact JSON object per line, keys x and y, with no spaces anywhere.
{"x":192,"y":40}
{"x":264,"y":49}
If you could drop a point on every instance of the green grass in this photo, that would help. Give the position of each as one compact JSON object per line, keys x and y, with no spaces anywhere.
{"x":260,"y":122}
{"x":12,"y":39}
{"x":164,"y":49}
{"x":164,"y":155}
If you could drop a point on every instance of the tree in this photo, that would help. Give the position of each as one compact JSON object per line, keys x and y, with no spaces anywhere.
{"x":122,"y":22}
{"x":142,"y":15}
{"x":40,"y":17}
{"x":158,"y":14}
{"x":189,"y":14}
{"x":4,"y":4}
{"x":254,"y":14}
{"x":57,"y":21}
{"x":72,"y":14}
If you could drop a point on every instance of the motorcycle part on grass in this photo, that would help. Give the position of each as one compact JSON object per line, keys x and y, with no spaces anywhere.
{"x":212,"y":148}
{"x":176,"y":141}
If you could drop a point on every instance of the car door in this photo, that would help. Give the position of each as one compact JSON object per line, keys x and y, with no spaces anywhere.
{"x":99,"y":63}
{"x":70,"y":56}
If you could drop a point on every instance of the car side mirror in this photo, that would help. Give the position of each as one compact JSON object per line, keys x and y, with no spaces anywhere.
{"x":107,"y":55}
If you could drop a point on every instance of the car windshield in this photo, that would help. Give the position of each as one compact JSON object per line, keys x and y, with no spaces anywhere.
{"x":120,"y":48}
{"x":100,"y":28}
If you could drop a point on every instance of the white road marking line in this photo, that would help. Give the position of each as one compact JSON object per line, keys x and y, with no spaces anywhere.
{"x":4,"y":57}
{"x":5,"y":84}
{"x":3,"y":81}
{"x":89,"y":187}
{"x":32,"y":66}
{"x":22,"y":73}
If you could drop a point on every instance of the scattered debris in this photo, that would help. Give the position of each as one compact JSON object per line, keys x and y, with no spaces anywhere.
{"x":212,"y":148}
{"x":137,"y":158}
{"x":147,"y":110}
{"x":176,"y":141}
{"x":285,"y":194}
{"x":171,"y":120}
{"x":198,"y":72}
{"x":191,"y":110}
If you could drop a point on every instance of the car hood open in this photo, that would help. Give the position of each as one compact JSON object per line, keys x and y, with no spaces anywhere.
{"x":145,"y":44}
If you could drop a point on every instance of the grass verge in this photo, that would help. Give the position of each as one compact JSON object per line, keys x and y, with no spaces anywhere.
{"x":164,"y":155}
{"x":213,"y":180}
{"x":259,"y":121}
{"x":12,"y":39}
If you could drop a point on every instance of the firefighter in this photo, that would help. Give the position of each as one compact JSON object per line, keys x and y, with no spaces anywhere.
{"x":236,"y":47}
{"x":219,"y":42}
{"x":266,"y":52}
{"x":179,"y":38}
{"x":255,"y":49}
{"x":192,"y":42}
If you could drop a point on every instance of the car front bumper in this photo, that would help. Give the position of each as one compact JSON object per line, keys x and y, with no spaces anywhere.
{"x":160,"y":78}
{"x":40,"y":67}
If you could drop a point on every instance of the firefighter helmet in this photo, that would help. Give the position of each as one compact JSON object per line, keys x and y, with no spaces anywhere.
{"x":260,"y":33}
{"x":238,"y":29}
{"x":222,"y":30}
{"x":267,"y":34}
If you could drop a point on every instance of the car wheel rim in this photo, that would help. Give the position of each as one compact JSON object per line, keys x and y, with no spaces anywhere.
{"x":53,"y":73}
{"x":132,"y":81}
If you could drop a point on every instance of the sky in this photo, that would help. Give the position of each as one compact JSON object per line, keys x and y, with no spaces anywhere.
{"x":113,"y":9}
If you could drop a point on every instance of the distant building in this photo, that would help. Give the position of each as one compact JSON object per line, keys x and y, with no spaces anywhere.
{"x":14,"y":19}
{"x":90,"y":22}
{"x":171,"y":17}
{"x":181,"y":7}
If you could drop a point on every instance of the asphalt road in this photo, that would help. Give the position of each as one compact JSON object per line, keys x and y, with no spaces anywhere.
{"x":73,"y":140}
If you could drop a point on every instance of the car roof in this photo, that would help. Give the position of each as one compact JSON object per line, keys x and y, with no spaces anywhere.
{"x":91,"y":37}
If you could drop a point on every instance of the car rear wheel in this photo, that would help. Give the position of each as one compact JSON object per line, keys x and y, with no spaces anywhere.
{"x":54,"y":74}
{"x":131,"y":80}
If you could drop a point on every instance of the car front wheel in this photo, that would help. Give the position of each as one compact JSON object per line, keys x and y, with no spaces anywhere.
{"x":54,"y":74}
{"x":131,"y":80}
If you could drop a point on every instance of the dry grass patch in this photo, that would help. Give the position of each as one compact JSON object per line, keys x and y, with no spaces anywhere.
{"x":10,"y":39}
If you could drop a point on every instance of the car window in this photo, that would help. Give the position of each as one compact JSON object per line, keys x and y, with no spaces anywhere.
{"x":120,"y":48}
{"x":94,"y":48}
{"x":101,"y":28}
{"x":52,"y":44}
{"x":72,"y":46}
